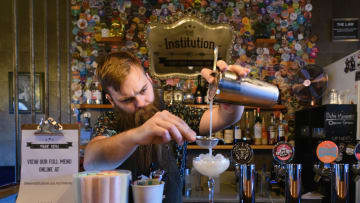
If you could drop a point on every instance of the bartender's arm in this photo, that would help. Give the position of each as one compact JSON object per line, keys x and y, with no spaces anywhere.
{"x":225,"y":114}
{"x":107,"y":153}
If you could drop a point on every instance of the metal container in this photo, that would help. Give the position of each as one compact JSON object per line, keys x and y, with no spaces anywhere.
{"x":228,"y":88}
{"x":187,"y":184}
{"x":293,"y":183}
{"x":340,"y":183}
{"x":246,"y":175}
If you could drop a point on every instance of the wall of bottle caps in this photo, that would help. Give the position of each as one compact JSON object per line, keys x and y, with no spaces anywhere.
{"x":286,"y":21}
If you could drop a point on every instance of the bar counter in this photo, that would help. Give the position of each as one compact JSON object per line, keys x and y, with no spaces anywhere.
{"x":230,"y":197}
{"x":226,"y":192}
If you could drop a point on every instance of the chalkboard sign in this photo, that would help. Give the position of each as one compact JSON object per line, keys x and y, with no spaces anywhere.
{"x":345,"y":29}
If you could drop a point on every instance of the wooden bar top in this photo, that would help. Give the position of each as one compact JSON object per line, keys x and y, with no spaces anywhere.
{"x":8,"y":190}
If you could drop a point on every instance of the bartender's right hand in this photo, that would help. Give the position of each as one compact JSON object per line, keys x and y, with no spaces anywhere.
{"x":163,"y":127}
{"x":223,"y":66}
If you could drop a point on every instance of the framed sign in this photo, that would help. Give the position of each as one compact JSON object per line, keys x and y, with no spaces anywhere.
{"x":24,"y":92}
{"x":345,"y":29}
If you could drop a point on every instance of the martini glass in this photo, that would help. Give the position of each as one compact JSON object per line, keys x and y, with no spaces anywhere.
{"x":211,"y":166}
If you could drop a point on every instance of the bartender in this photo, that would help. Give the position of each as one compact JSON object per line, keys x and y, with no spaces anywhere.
{"x":141,"y":132}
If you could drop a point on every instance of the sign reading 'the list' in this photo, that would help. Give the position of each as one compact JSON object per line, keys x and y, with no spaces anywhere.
{"x":345,"y":29}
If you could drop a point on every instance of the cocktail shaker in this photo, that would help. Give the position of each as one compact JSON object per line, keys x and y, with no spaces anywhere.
{"x":228,"y":88}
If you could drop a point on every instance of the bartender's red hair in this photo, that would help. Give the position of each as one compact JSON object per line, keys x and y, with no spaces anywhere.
{"x":114,"y":68}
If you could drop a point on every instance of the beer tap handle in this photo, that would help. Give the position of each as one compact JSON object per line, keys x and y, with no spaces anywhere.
{"x":317,"y":178}
{"x":318,"y":173}
{"x":356,"y":170}
{"x":280,"y":172}
{"x":357,"y":178}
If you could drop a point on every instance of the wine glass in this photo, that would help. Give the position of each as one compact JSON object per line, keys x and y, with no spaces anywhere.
{"x":211,"y":166}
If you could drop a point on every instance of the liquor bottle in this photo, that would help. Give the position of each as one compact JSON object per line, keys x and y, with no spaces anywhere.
{"x":95,"y":93}
{"x":257,"y":128}
{"x":264,"y":134}
{"x":247,"y":137}
{"x":272,"y":131}
{"x":168,"y":95}
{"x":237,"y":133}
{"x":86,"y":129}
{"x":286,"y":128}
{"x":103,"y":95}
{"x":228,"y":135}
{"x":104,"y":99}
{"x":87,"y":95}
{"x":178,"y":94}
{"x":199,"y":99}
{"x":188,"y":95}
{"x":220,"y":135}
{"x":281,"y":130}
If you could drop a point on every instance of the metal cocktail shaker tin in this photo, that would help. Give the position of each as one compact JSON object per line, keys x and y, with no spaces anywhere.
{"x":227,"y":88}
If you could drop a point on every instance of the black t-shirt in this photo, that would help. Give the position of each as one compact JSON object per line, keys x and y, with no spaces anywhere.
{"x":169,"y":157}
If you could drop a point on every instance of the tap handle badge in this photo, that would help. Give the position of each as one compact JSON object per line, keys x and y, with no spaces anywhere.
{"x":242,"y":153}
{"x":327,"y":152}
{"x":357,"y":152}
{"x":283,"y":153}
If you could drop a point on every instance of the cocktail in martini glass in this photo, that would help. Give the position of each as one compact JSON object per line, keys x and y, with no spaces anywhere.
{"x":211,"y":166}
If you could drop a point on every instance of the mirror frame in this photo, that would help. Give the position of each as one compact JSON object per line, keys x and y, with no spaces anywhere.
{"x":157,"y":32}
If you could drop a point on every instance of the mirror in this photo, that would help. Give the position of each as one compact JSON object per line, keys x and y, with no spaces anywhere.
{"x":181,"y":49}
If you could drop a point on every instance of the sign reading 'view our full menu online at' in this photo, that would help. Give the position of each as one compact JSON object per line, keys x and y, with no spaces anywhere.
{"x":47,"y":165}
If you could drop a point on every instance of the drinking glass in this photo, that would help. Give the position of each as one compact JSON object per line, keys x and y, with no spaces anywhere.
{"x":211,"y":166}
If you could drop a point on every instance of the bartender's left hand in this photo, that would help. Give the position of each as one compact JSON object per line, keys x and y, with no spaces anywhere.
{"x":237,"y":69}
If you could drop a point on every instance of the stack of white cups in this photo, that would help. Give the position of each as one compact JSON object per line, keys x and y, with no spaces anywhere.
{"x":102,"y":186}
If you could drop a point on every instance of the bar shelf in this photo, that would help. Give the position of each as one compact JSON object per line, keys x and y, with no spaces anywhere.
{"x":108,"y":106}
{"x":266,"y":147}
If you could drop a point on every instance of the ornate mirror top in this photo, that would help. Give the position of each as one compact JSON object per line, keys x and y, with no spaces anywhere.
{"x":181,"y":49}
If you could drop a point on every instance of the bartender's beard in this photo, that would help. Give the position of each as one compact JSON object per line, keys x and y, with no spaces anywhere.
{"x":124,"y":121}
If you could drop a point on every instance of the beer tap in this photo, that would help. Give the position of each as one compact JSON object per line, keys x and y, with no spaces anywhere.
{"x":356,"y":167}
{"x":242,"y":155}
{"x":327,"y":152}
{"x":283,"y":153}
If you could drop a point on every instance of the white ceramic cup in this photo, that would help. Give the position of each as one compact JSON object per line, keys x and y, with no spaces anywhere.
{"x":148,"y":193}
